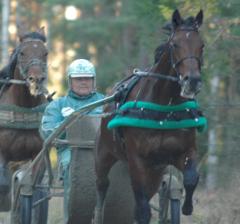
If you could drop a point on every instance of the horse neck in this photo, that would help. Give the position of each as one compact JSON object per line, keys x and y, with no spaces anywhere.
{"x":20,"y":95}
{"x":156,"y":90}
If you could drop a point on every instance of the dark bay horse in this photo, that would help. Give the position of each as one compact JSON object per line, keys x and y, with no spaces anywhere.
{"x":22,"y":100}
{"x":175,"y":78}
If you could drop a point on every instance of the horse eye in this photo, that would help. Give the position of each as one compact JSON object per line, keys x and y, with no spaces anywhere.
{"x":21,"y":53}
{"x":46,"y":54}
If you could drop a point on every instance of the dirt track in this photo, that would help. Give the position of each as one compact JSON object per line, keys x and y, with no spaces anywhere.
{"x":216,"y":207}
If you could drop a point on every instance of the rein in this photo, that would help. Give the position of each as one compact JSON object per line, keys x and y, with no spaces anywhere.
{"x":155,"y":75}
{"x":13,"y":81}
{"x":7,"y":81}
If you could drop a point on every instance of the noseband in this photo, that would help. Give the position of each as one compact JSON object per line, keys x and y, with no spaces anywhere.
{"x":177,"y":63}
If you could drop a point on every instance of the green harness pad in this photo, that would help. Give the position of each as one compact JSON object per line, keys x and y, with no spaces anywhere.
{"x":120,"y":120}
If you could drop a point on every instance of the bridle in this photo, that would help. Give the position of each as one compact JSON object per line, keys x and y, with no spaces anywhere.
{"x":175,"y":64}
{"x":23,"y":68}
{"x":177,"y":78}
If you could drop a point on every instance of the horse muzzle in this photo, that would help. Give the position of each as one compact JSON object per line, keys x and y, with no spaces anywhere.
{"x":36,"y":85}
{"x":190,"y":86}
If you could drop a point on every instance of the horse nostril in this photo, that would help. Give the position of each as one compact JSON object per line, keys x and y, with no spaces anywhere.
{"x":195,"y":83}
{"x":30,"y":79}
{"x":42,"y":79}
{"x":186,"y":78}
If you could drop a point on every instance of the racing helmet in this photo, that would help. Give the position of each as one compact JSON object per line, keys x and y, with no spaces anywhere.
{"x":81,"y":68}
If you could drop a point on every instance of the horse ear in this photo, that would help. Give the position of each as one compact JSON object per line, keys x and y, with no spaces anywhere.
{"x":21,"y":30}
{"x":199,"y":18}
{"x":41,"y":31}
{"x":176,"y":19}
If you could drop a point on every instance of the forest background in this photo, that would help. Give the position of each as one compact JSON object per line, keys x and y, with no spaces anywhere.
{"x":120,"y":35}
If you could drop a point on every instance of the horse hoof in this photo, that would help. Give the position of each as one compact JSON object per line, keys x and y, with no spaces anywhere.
{"x":187,"y":210}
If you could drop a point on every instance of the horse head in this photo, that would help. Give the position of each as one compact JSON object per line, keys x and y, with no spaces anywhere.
{"x":31,"y":61}
{"x":186,"y":49}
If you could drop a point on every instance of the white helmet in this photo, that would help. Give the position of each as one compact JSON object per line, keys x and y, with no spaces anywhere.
{"x":81,"y":68}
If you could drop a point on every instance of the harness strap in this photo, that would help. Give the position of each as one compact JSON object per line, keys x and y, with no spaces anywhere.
{"x":149,"y":115}
{"x":12,"y":116}
{"x":16,"y":120}
{"x":155,"y":75}
{"x":13,"y":81}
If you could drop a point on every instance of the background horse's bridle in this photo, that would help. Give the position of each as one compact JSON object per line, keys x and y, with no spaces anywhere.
{"x":34,"y":61}
{"x":24,"y":69}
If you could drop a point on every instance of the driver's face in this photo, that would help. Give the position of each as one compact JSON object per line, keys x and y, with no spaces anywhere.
{"x":82,"y":85}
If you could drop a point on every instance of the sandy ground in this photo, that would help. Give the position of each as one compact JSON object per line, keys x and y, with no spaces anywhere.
{"x":55,"y":213}
{"x":200,"y":215}
{"x":218,"y":206}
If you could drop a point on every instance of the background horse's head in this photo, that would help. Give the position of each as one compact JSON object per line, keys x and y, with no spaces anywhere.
{"x":186,"y":49}
{"x":29,"y":61}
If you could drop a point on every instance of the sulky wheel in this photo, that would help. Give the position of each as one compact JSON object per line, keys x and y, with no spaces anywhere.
{"x":175,"y":211}
{"x":119,"y":202}
{"x":82,"y":187}
{"x":119,"y":207}
{"x":23,"y":210}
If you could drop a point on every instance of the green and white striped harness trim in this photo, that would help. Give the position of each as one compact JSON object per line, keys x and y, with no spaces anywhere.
{"x":121,"y":120}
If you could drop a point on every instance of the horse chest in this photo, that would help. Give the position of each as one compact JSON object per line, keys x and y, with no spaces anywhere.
{"x":163,"y":142}
{"x":20,"y":144}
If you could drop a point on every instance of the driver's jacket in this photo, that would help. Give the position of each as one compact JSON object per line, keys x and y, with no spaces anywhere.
{"x":58,"y":110}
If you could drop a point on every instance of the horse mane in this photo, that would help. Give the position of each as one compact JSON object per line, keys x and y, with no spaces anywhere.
{"x":158,"y":52}
{"x":188,"y":23}
{"x":35,"y":36}
{"x":8,"y":70}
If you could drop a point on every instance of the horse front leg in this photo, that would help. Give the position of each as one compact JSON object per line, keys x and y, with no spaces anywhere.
{"x":190,"y":181}
{"x":103,"y":165}
{"x":145,"y":182}
{"x":142,"y":209}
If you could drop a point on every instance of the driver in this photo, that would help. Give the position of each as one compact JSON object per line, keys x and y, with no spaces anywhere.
{"x":82,"y":91}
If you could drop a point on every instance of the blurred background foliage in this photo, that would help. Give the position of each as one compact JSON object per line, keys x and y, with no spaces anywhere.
{"x":120,"y":35}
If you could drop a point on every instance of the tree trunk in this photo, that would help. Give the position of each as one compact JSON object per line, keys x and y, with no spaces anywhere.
{"x":5,"y":23}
